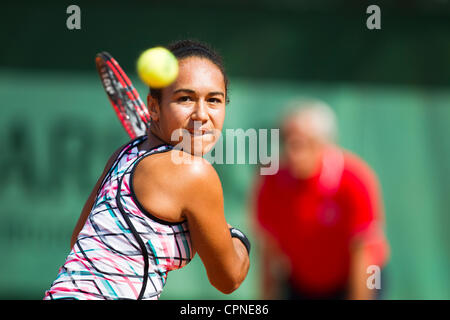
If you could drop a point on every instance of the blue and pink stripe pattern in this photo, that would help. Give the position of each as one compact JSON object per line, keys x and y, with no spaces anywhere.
{"x":122,"y":252}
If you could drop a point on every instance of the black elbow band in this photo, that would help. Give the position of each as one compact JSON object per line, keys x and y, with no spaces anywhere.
{"x":236,"y":233}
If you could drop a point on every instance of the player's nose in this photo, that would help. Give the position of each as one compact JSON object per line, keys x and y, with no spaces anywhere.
{"x":200,"y":112}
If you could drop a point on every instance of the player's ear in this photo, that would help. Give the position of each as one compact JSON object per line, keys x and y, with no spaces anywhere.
{"x":153,"y":107}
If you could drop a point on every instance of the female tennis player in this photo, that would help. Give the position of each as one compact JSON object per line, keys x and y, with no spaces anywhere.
{"x":148,"y":215}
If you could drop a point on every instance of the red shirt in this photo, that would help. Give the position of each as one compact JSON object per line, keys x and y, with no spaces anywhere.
{"x":315,"y":220}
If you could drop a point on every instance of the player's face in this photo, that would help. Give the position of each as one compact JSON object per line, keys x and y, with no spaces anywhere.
{"x":192,"y":109}
{"x":303,"y":150}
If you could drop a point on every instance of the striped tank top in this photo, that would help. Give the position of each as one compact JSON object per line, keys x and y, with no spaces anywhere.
{"x":122,"y":252}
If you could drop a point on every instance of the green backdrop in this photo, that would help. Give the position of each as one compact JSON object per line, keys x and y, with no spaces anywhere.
{"x":57,"y":137}
{"x":389,"y":89}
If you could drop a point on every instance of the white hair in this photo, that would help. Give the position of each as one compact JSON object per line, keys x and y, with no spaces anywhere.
{"x":320,"y":118}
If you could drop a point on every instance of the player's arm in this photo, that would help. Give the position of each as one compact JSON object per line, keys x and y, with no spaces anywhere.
{"x":90,"y":201}
{"x":225,"y":258}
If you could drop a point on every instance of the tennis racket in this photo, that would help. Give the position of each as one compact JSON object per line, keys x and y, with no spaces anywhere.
{"x":129,"y":107}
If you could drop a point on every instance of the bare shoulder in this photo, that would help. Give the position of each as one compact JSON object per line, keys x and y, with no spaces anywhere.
{"x":180,"y":168}
{"x":166,"y":185}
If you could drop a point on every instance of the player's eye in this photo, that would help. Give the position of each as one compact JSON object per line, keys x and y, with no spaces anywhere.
{"x":184,"y":99}
{"x":214,"y":100}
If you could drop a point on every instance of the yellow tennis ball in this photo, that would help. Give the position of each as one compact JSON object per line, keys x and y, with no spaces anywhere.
{"x":157,"y":67}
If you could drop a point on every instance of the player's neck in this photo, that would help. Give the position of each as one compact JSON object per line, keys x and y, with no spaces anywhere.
{"x":152,"y":141}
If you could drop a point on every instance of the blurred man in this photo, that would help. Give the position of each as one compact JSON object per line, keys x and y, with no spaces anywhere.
{"x":320,"y":216}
